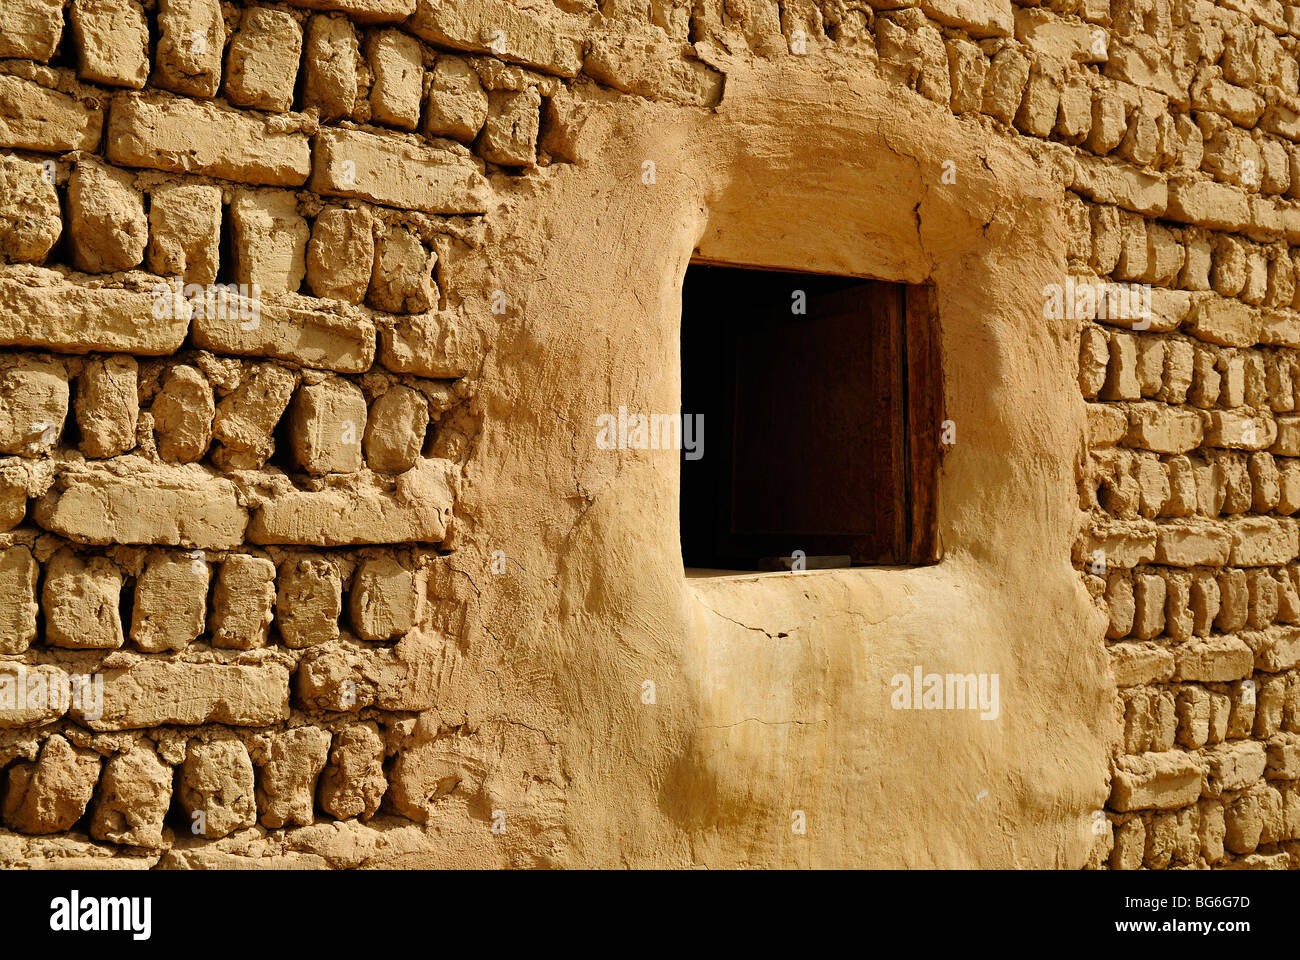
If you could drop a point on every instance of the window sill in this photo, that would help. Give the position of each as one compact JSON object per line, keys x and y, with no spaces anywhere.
{"x":704,"y":573}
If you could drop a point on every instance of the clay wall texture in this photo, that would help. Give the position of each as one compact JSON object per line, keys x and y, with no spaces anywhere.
{"x":244,"y":323}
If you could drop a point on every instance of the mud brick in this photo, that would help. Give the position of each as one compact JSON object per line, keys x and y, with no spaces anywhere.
{"x":80,"y":599}
{"x":308,"y":601}
{"x":242,"y":602}
{"x":171,"y":598}
{"x":192,"y":36}
{"x":262,"y":64}
{"x":1159,"y":781}
{"x":326,"y":424}
{"x":216,"y":789}
{"x":395,"y":59}
{"x":112,"y":42}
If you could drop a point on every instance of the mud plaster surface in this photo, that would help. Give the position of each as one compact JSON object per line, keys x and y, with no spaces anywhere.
{"x":773,"y":690}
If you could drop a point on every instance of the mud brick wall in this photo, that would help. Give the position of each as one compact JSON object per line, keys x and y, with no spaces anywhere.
{"x":238,"y":391}
{"x":1191,"y":478}
{"x":232,"y":418}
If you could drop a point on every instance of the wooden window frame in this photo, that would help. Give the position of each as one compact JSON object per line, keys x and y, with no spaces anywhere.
{"x":909,"y":354}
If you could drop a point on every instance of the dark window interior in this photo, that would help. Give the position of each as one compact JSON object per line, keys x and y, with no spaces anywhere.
{"x":820,"y":427}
